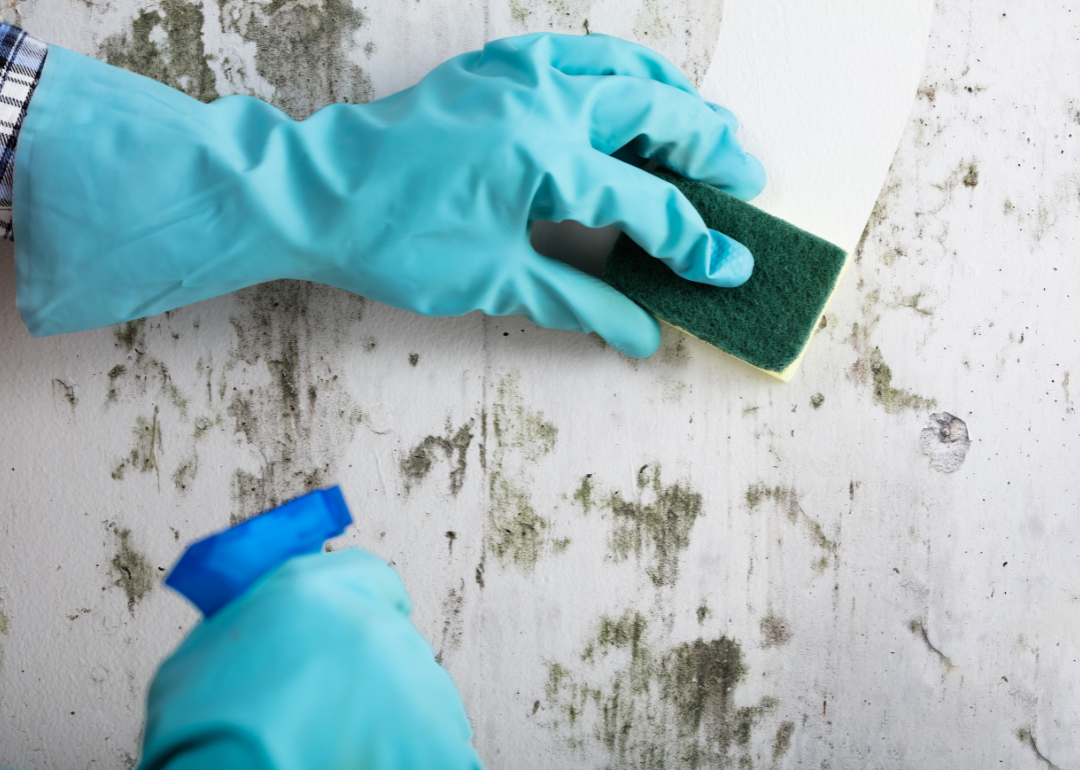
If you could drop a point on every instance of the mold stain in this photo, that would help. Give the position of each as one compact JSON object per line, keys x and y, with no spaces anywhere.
{"x":516,"y":532}
{"x":870,"y":367}
{"x":913,"y":301}
{"x":66,"y":391}
{"x":1026,"y":737}
{"x":5,"y":628}
{"x":918,"y":629}
{"x":166,"y":46}
{"x":132,"y":571}
{"x":655,"y":708}
{"x":452,"y":447}
{"x":786,"y":501}
{"x":453,"y":624}
{"x":285,"y":33}
{"x":1068,"y":398}
{"x":652,"y":523}
{"x":288,"y":330}
{"x":774,"y":631}
{"x":184,"y":475}
{"x":971,"y":176}
{"x":817,"y":400}
{"x":144,"y":454}
{"x":143,"y":374}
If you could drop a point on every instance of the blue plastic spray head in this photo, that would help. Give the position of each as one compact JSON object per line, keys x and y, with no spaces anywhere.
{"x":219,"y":568}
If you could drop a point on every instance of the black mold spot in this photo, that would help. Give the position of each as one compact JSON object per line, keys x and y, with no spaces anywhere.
{"x":319,"y":34}
{"x":414,"y":359}
{"x":702,"y":613}
{"x":180,"y":61}
{"x":817,"y":400}
{"x":971,"y":178}
{"x":774,"y":631}
{"x":945,"y":441}
{"x":132,"y":571}
{"x":417,"y":464}
{"x":66,"y":390}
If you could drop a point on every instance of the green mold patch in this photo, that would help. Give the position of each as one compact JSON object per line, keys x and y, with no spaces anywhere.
{"x":870,"y":368}
{"x":304,"y":50}
{"x":774,"y":631}
{"x":653,"y":523}
{"x":453,"y":447}
{"x":656,"y":707}
{"x":166,"y":46}
{"x":132,"y":571}
{"x":516,"y":534}
{"x":289,"y":330}
{"x":786,"y":500}
{"x":143,"y":456}
{"x":184,"y":475}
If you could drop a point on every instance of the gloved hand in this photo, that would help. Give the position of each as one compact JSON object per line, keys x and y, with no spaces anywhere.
{"x":317,"y":666}
{"x":132,"y":198}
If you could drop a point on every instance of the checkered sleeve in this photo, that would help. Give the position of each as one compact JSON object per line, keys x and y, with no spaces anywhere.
{"x":21,"y":60}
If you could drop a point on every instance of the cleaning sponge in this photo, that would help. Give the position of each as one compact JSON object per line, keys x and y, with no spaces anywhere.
{"x":768,"y":321}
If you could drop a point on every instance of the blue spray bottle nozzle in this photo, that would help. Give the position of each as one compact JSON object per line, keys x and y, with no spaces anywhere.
{"x":219,"y":568}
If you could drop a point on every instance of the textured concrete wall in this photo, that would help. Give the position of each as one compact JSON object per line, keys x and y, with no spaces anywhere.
{"x":667,"y":563}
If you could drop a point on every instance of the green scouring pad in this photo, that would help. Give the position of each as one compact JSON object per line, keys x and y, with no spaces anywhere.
{"x":769,"y":320}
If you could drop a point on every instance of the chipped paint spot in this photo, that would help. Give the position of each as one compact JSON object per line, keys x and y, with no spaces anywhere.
{"x":132,"y":570}
{"x":654,"y":524}
{"x":417,"y":464}
{"x":945,"y":441}
{"x":174,"y":56}
{"x":285,"y":328}
{"x":673,"y":707}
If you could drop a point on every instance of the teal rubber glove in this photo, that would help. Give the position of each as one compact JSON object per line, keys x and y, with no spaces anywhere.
{"x":131,"y":198}
{"x":315,"y":667}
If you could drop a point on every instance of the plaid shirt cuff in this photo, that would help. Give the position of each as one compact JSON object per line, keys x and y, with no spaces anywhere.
{"x":21,"y":60}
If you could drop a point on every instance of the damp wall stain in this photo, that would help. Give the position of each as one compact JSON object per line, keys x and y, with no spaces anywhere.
{"x":516,"y":533}
{"x":288,"y":329}
{"x":656,"y":707}
{"x":167,"y":46}
{"x":652,"y":523}
{"x":452,"y":447}
{"x":304,"y":50}
{"x":132,"y":571}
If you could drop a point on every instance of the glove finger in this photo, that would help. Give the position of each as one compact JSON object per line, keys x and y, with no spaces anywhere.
{"x":558,"y":296}
{"x":677,"y":129}
{"x":598,"y":55}
{"x":598,"y":191}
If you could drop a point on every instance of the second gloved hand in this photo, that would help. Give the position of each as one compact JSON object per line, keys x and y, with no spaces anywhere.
{"x":132,"y":199}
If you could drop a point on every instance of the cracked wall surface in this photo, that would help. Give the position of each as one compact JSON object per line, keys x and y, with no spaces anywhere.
{"x":668,"y":563}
